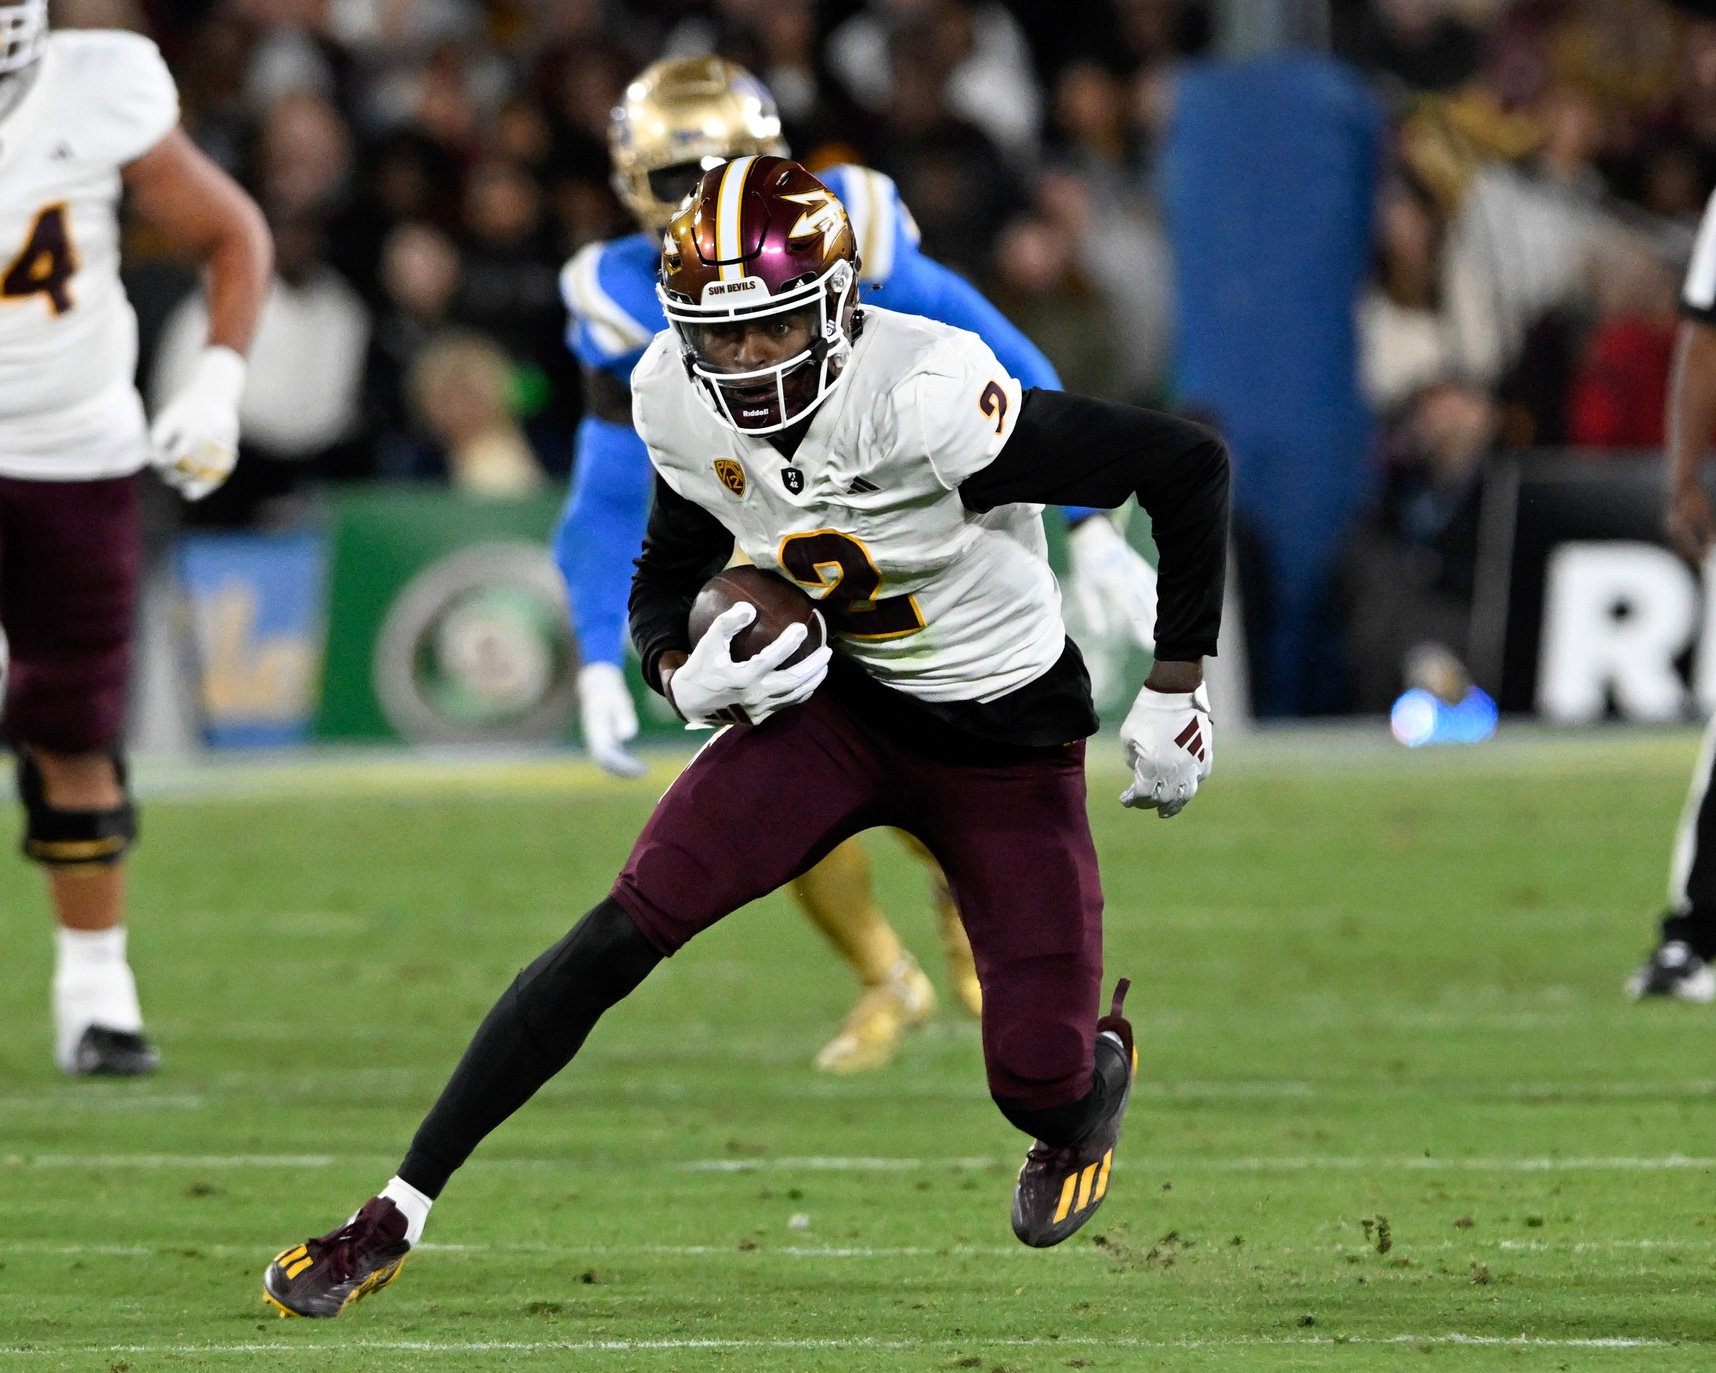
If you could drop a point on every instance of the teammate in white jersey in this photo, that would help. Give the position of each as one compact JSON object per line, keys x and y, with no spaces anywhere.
{"x":86,"y":116}
{"x":893,"y":469}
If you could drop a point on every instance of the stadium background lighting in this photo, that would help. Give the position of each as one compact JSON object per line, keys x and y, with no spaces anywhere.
{"x":1420,"y":717}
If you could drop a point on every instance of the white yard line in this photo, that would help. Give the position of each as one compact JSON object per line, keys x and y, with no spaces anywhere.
{"x":173,"y":1160}
{"x":740,"y":1345}
{"x":228,"y":1249}
{"x":831,"y":1165}
{"x":814,"y":1164}
{"x":75,"y":1101}
{"x":263,"y":1249}
{"x":1479,"y":1165}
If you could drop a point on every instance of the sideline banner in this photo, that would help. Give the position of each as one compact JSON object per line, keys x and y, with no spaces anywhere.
{"x":255,"y":603}
{"x":1582,"y":609}
{"x":446,"y":620}
{"x":421,"y":615}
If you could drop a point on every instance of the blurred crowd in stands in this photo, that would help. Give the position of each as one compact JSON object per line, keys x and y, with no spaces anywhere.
{"x":428,"y":165}
{"x":1550,"y":162}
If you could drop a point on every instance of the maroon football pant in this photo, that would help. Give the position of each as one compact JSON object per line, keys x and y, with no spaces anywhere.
{"x":759,"y":806}
{"x":70,"y":557}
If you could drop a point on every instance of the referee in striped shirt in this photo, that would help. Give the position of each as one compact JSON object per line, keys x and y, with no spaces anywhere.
{"x":1681,"y":966}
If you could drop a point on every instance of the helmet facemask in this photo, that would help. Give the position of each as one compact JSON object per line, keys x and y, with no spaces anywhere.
{"x":23,"y":35}
{"x":765,"y":400}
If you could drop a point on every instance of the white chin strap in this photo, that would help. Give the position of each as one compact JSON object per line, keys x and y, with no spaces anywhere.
{"x":718,"y":387}
{"x":23,"y":35}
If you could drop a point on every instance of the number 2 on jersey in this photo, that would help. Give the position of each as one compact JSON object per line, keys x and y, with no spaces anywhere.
{"x":841,"y":568}
{"x":45,"y":264}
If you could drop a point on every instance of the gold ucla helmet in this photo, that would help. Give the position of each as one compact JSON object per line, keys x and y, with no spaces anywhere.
{"x":679,"y":118}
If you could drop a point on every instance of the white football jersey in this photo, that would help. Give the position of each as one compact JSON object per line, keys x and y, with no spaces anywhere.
{"x":935,"y":601}
{"x":68,"y":338}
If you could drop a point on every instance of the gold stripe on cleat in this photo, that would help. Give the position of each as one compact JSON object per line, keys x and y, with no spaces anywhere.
{"x":374,"y":1282}
{"x":298,"y":1267}
{"x":1102,"y":1177}
{"x":1084,"y":1181}
{"x":1066,"y":1197}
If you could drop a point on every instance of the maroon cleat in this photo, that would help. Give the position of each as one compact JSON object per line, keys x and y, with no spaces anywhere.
{"x":322,"y":1277}
{"x":1059,"y":1188}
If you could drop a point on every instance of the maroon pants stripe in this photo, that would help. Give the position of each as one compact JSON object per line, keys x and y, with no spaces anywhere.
{"x":759,"y":806}
{"x":71,"y":554}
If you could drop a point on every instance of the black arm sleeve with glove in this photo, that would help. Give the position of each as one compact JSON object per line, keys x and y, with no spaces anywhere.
{"x":1067,"y":449}
{"x":684,"y":546}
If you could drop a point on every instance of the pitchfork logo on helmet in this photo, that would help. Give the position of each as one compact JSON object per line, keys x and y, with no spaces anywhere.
{"x":23,"y":34}
{"x":759,"y":278}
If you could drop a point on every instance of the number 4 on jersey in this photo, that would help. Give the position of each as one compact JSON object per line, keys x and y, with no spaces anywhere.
{"x":45,"y":264}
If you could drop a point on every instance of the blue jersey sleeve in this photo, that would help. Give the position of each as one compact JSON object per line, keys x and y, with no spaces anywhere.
{"x":611,"y":305}
{"x":922,"y":286}
{"x":600,"y":532}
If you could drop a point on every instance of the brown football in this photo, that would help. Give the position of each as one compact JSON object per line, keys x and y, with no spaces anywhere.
{"x":779,"y":604}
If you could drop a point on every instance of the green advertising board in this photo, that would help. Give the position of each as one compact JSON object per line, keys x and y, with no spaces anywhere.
{"x":446,"y":620}
{"x":447,"y":623}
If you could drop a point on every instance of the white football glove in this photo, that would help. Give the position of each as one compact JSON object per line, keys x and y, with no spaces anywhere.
{"x":608,"y":718}
{"x":1113,"y":585}
{"x":710,"y":686}
{"x":1170,"y":747}
{"x":194,"y":440}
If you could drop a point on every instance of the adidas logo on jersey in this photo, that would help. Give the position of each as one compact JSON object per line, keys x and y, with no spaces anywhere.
{"x":860,"y":487}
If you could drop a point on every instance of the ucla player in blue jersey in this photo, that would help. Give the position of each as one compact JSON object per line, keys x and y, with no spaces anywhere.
{"x":678,"y":119}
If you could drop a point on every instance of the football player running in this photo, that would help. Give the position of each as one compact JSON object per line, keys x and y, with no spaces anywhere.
{"x":85,"y":116}
{"x":893,"y":469}
{"x":679,"y":118}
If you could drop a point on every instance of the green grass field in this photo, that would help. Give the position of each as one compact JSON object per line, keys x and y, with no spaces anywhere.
{"x":1394,"y":1111}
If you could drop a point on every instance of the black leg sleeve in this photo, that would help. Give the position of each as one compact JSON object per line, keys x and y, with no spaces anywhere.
{"x":1692,"y":912}
{"x":530,"y":1035}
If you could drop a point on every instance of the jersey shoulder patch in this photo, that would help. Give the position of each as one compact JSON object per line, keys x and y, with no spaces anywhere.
{"x":881,"y":223}
{"x":609,"y":290}
{"x":951,"y":400}
{"x":115,"y":96}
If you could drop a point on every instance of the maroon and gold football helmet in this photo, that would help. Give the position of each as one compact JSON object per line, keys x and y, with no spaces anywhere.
{"x":763,"y":246}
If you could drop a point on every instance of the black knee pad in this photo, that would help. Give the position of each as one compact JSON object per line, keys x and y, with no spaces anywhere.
{"x":73,"y":838}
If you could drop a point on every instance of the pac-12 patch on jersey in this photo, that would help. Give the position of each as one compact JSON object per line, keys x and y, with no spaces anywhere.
{"x":934,"y":600}
{"x":68,"y":337}
{"x":732,"y":475}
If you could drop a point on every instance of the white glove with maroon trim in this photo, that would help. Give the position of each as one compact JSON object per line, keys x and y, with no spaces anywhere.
{"x":1113,"y":585}
{"x":709,"y":686}
{"x":194,"y":440}
{"x":1170,"y":746}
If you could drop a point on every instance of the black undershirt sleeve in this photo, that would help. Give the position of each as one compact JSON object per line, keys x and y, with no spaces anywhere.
{"x":684,"y":546}
{"x":1067,"y":449}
